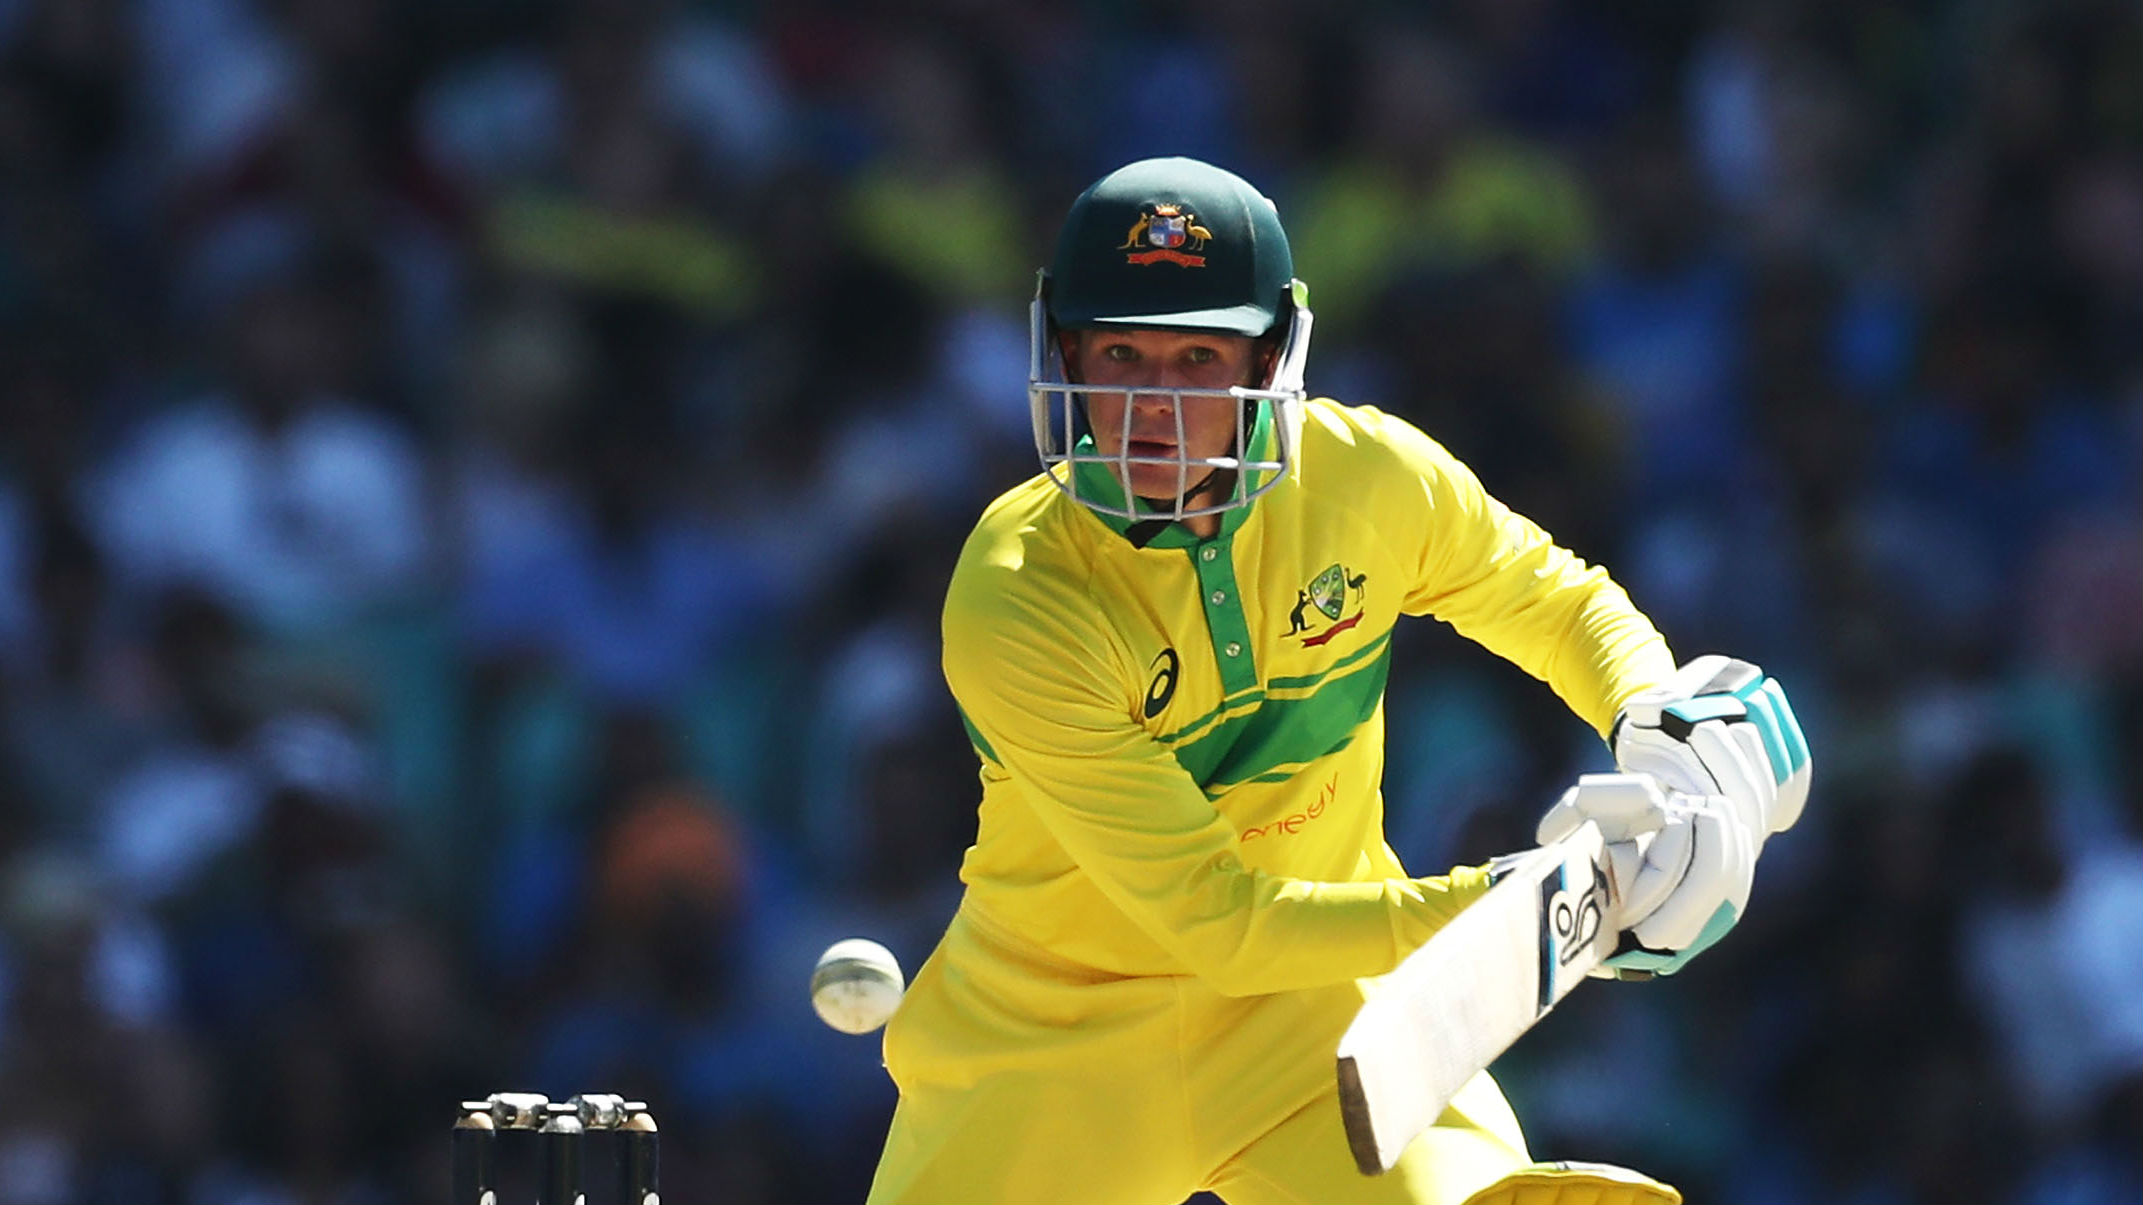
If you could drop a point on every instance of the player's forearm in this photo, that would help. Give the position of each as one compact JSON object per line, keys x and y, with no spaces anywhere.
{"x":1505,"y":584}
{"x":1610,"y":652}
{"x":1172,"y":864}
{"x":1247,"y":933}
{"x":1571,"y":626}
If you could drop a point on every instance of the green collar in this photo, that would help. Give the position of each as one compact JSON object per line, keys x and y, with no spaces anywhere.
{"x":1096,"y":480}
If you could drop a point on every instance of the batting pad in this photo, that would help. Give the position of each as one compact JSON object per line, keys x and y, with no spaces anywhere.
{"x":1576,"y":1184}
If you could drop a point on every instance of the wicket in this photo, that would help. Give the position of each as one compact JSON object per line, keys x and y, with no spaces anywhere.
{"x":562,"y":1128}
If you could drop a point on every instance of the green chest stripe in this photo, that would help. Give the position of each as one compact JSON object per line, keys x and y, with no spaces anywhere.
{"x":1248,"y":698}
{"x":1280,"y":775}
{"x":1278,"y":687}
{"x":1287,"y":732}
{"x":1374,"y":648}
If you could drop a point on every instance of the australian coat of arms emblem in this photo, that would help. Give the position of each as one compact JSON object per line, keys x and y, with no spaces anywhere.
{"x":1330,"y":604}
{"x":1166,"y":233}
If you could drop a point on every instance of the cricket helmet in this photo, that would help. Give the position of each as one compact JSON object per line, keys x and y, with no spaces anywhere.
{"x":1172,"y":244}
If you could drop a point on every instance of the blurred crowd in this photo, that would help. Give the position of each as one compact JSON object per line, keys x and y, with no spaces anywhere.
{"x":477,"y":479}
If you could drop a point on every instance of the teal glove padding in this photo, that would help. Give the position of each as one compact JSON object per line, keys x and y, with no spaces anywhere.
{"x":1715,"y":724}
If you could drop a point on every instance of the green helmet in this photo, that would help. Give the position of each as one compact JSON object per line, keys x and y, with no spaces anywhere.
{"x":1171,"y":243}
{"x":1174,"y":244}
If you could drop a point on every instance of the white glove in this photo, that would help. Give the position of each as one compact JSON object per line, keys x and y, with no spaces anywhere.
{"x":1720,"y":727}
{"x":1683,"y":865}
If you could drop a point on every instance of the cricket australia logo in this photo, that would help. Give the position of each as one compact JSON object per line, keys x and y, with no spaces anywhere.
{"x":1329,"y":605}
{"x":1162,"y":229}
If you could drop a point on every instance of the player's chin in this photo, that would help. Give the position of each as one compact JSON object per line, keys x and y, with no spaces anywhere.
{"x":1157,"y":480}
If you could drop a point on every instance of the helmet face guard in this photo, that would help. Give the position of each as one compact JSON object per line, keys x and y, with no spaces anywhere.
{"x":1267,"y":428}
{"x":1180,"y":245}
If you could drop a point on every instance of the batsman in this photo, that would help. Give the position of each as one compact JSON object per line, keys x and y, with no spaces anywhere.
{"x":1170,"y":649}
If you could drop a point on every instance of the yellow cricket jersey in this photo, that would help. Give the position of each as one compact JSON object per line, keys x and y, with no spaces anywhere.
{"x":1182,"y":740}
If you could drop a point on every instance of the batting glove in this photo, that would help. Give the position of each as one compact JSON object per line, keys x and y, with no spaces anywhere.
{"x":1682,"y":864}
{"x":1720,"y":727}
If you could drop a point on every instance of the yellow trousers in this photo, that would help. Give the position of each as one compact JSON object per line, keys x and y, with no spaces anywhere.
{"x":1024,"y":1079}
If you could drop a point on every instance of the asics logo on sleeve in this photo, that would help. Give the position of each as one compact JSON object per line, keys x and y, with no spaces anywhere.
{"x":1164,"y":682}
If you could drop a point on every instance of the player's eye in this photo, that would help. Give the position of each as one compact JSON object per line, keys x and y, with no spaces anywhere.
{"x":1121,"y":353}
{"x":1201,"y":354}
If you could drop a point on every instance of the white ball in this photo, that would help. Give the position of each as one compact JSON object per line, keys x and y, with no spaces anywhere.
{"x":856,"y":985}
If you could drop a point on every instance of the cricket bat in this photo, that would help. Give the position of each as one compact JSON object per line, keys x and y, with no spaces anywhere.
{"x":1459,"y":1001}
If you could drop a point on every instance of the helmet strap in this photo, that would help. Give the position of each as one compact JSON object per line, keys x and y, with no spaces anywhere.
{"x":1215,"y":477}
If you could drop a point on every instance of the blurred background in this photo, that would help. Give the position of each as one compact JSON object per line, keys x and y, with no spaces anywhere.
{"x":477,"y":478}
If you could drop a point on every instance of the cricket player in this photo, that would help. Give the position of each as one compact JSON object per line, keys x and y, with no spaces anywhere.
{"x":1170,"y":651}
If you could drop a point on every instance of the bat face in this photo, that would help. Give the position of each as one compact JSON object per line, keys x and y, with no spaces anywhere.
{"x":1470,"y":991}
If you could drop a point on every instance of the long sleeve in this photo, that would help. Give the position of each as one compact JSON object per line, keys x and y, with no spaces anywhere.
{"x":1503,"y":583}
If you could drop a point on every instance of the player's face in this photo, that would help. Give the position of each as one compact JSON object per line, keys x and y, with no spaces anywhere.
{"x":1164,"y":359}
